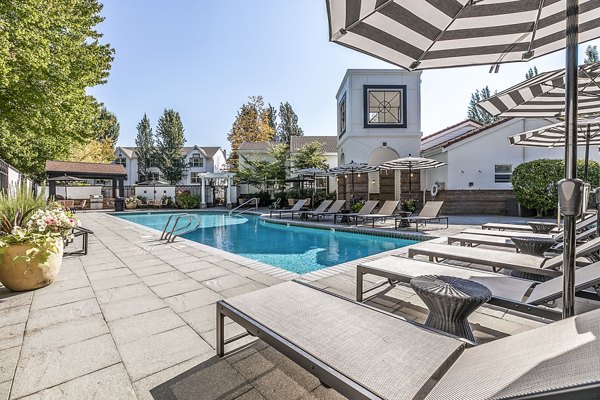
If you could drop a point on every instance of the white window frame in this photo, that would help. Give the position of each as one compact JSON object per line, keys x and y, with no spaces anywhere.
{"x":200,"y":159}
{"x":501,"y":177}
{"x":195,"y":177}
{"x":121,"y":161}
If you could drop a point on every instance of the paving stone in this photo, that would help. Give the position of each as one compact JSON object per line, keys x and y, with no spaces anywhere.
{"x":47,"y":369}
{"x":109,"y":273}
{"x":202,"y":319}
{"x":60,"y":286}
{"x":108,"y":283}
{"x":107,"y":383}
{"x":122,"y":293}
{"x":165,"y":277}
{"x":209,"y":273}
{"x":247,"y":288}
{"x":299,"y":374}
{"x":127,"y":330}
{"x":8,"y":362}
{"x":152,"y":270}
{"x":104,"y":267}
{"x":276,"y":385}
{"x":175,"y":288}
{"x":42,"y":318}
{"x":254,"y":366}
{"x":14,"y":315}
{"x":322,"y":393}
{"x":11,"y":335}
{"x":230,"y":330}
{"x":251,"y":395}
{"x":151,"y":354}
{"x":63,"y":334}
{"x":194,"y":266}
{"x":10,"y":299}
{"x":265,"y":279}
{"x":141,"y":262}
{"x":5,"y":390}
{"x":190,"y":300}
{"x":226,"y":282}
{"x":47,"y":300}
{"x":128,"y":307}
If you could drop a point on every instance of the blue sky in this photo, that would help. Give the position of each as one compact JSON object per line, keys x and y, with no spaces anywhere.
{"x":204,"y":58}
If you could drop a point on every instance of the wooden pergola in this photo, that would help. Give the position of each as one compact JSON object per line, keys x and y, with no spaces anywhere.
{"x":86,"y":170}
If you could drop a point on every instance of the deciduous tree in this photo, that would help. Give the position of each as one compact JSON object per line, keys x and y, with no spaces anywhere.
{"x":591,"y":55}
{"x":169,"y":145}
{"x":310,"y":155}
{"x":531,"y":73}
{"x":476,"y":113}
{"x":144,"y":142}
{"x":288,"y":124}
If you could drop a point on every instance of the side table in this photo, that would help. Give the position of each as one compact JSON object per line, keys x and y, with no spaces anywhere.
{"x":450,"y":301}
{"x":535,"y":246}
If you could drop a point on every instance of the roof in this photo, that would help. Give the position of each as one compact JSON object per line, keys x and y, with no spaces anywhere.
{"x":84,"y":169}
{"x":440,"y":137}
{"x":255,"y":146}
{"x":476,"y":132}
{"x":210,"y":151}
{"x":329,"y":142}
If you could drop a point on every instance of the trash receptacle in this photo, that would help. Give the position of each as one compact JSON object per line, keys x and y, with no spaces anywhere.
{"x":119,"y":204}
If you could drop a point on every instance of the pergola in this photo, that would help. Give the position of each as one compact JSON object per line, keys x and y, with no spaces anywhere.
{"x":216,"y":175}
{"x":86,"y":170}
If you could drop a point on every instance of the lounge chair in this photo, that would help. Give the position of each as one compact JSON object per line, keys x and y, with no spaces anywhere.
{"x":583,"y":224}
{"x":80,"y":206}
{"x":430,"y":212}
{"x":366,"y":353}
{"x":508,"y":292}
{"x":498,"y":259}
{"x":299,"y":204}
{"x":366,"y":209}
{"x":386,"y":211}
{"x":334,"y":209}
{"x":322,"y":207}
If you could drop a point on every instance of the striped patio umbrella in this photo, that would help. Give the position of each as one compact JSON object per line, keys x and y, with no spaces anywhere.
{"x":352,"y":168}
{"x":411,"y":163}
{"x":544,"y":95}
{"x":435,"y":34}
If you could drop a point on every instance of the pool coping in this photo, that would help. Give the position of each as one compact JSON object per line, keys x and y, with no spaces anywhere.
{"x":279,"y":272}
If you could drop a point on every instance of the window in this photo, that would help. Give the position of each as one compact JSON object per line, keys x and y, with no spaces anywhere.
{"x":153,"y":176}
{"x":342,"y":116}
{"x":195,"y":177}
{"x":121,"y":161}
{"x":196,"y":161}
{"x":503,"y":173}
{"x":385,"y":106}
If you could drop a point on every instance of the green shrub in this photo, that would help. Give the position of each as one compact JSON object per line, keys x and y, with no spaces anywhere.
{"x":186,"y":200}
{"x":264,"y":198}
{"x":320,"y":196}
{"x":357,"y":206}
{"x":281,"y":195}
{"x":17,"y":205}
{"x":409,"y":205}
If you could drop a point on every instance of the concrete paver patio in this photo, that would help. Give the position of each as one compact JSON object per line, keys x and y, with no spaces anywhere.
{"x":136,"y":319}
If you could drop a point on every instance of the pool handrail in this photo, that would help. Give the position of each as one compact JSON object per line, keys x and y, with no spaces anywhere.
{"x":254,"y":199}
{"x":164,"y":234}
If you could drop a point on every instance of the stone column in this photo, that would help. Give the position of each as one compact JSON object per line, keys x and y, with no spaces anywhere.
{"x":203,"y":194}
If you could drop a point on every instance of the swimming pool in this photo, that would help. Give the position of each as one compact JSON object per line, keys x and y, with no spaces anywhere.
{"x":292,"y":248}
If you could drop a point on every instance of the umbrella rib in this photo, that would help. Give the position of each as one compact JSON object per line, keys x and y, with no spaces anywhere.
{"x":360,"y":20}
{"x":535,"y":27}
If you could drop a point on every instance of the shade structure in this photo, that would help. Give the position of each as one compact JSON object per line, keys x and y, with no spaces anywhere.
{"x":352,"y":168}
{"x":66,"y":179}
{"x":433,"y":34}
{"x":544,"y":95}
{"x":411,"y":163}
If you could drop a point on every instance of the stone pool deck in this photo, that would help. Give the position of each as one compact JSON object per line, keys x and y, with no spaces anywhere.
{"x":135,"y":319}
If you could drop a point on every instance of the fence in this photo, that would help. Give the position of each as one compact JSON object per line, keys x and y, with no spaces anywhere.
{"x":3,"y":175}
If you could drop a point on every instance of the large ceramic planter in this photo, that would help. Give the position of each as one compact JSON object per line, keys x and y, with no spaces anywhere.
{"x":131,"y":205}
{"x":19,"y":275}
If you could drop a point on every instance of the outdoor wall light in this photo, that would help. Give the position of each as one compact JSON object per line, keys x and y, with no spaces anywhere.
{"x":345,"y":176}
{"x":462,"y":172}
{"x":358,"y":175}
{"x":373,"y":181}
{"x":479,"y":171}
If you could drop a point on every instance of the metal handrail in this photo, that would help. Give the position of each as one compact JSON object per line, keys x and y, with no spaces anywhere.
{"x":164,"y":232}
{"x":183,"y":229}
{"x":254,"y":199}
{"x":189,"y":219}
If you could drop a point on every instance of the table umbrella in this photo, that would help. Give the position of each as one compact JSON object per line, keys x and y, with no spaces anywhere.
{"x":352,"y":168}
{"x":153,"y":183}
{"x":411,"y":163}
{"x":314,"y":172}
{"x":426,"y":34}
{"x":588,"y":130}
{"x":66,"y":179}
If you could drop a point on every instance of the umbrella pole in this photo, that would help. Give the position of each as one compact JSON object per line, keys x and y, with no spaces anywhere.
{"x":352,"y":173}
{"x":587,"y":154}
{"x":572,"y":39}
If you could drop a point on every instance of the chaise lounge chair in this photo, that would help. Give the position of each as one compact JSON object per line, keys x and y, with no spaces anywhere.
{"x":334,"y":209}
{"x":583,"y":224}
{"x":366,"y":353}
{"x":299,"y":204}
{"x":324,"y":204}
{"x":498,"y":259}
{"x":430,"y":212}
{"x":366,"y":209}
{"x":517,"y":294}
{"x":386,"y":211}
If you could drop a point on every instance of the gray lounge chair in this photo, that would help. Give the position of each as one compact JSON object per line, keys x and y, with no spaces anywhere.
{"x":366,"y":209}
{"x":299,"y":204}
{"x":366,"y":353}
{"x":322,"y":207}
{"x":430,"y":212}
{"x":386,"y":211}
{"x":581,"y":225}
{"x":518,"y":294}
{"x":334,"y":209}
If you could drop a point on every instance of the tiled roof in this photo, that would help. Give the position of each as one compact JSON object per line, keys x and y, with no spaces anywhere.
{"x":255,"y":146}
{"x":210,"y":151}
{"x":476,"y":131}
{"x":329,"y":142}
{"x":69,"y":167}
{"x":439,"y":138}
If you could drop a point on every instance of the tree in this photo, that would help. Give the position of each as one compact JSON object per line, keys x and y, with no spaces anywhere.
{"x":259,"y":170}
{"x":288,"y":124}
{"x":95,"y":151}
{"x":478,"y":114}
{"x":531,"y":73}
{"x":591,"y":55}
{"x":310,"y":155}
{"x":107,"y":126}
{"x":272,"y":117}
{"x":169,"y":144}
{"x":144,"y":142}
{"x":252,"y":124}
{"x":50,"y":53}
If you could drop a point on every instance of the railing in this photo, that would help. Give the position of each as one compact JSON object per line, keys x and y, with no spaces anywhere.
{"x":255,"y":207}
{"x":193,"y":223}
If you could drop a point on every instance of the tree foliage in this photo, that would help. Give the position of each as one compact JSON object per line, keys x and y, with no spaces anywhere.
{"x":534,"y":182}
{"x":476,"y":113}
{"x":169,"y":144}
{"x":259,"y":170}
{"x":253,"y":123}
{"x":591,"y":55}
{"x":50,"y":53}
{"x":95,"y":151}
{"x":288,"y":124}
{"x":531,"y":73}
{"x":310,"y":155}
{"x":144,"y":142}
{"x":107,"y":126}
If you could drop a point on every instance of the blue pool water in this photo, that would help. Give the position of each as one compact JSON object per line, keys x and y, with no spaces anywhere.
{"x":295,"y":249}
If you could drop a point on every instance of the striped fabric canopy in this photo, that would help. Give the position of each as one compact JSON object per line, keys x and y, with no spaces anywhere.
{"x":544,"y":95}
{"x":554,"y":135}
{"x":421,"y":34}
{"x":411,"y":163}
{"x":352,"y":167}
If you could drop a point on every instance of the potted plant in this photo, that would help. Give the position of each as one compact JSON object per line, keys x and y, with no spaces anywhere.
{"x":31,"y":240}
{"x":131,"y":202}
{"x":409,"y":205}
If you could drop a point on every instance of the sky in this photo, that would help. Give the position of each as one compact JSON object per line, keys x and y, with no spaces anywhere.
{"x":205,"y":58}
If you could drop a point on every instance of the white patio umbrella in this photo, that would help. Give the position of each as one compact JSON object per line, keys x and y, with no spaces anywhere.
{"x":427,"y":34}
{"x":352,"y":168}
{"x":411,"y":163}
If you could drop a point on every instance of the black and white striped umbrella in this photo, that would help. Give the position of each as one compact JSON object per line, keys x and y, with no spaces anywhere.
{"x":544,"y":95}
{"x":352,"y":168}
{"x":411,"y":163}
{"x":419,"y":34}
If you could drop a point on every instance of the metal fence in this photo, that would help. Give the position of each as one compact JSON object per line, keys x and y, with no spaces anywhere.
{"x":3,"y":175}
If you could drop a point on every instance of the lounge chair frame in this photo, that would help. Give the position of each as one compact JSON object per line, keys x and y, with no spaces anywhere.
{"x":77,"y":232}
{"x":288,"y":210}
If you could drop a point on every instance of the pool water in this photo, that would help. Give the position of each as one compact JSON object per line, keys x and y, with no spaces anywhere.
{"x":292,"y":248}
